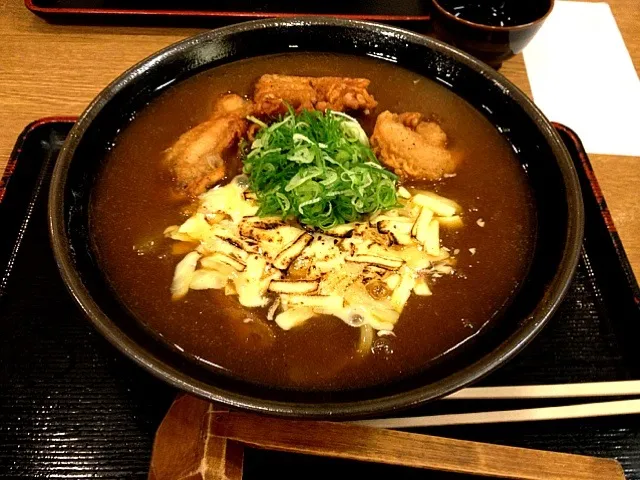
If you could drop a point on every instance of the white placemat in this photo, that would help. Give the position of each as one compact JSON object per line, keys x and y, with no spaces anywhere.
{"x":582,"y":75}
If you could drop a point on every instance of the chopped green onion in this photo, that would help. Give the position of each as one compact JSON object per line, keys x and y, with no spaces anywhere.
{"x":317,"y":167}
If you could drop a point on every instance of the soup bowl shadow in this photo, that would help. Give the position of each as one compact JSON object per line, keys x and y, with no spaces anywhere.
{"x":538,"y":148}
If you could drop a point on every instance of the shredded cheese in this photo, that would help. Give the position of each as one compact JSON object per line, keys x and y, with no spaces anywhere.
{"x":362,"y":273}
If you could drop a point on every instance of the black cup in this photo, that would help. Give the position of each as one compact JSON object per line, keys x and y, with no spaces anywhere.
{"x":491,"y":30}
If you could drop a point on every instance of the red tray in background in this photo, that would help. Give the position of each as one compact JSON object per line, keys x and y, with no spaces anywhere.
{"x":414,"y":13}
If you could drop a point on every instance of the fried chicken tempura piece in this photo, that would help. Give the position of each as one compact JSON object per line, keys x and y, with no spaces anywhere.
{"x":273,"y":92}
{"x":196,"y":159}
{"x":411,"y":146}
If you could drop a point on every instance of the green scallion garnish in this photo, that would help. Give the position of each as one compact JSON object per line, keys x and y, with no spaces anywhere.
{"x":319,"y":168}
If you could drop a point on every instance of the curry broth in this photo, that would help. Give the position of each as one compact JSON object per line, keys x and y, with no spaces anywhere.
{"x":133,"y":203}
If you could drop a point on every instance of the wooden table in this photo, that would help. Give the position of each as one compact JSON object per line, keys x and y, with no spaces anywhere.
{"x":50,"y":69}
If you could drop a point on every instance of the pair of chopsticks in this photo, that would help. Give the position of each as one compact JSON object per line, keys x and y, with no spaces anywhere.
{"x":528,"y":392}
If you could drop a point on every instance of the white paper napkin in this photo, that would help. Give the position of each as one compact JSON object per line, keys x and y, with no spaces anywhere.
{"x":581,"y":75}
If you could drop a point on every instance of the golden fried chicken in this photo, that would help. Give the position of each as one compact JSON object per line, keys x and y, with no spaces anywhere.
{"x":273,"y":92}
{"x":196,"y":159}
{"x":340,"y":94}
{"x":411,"y":146}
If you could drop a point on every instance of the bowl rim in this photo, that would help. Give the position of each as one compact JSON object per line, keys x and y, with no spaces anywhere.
{"x":352,"y":409}
{"x":493,"y":28}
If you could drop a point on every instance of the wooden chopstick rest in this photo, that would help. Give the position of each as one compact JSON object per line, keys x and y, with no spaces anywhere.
{"x":198,"y":440}
{"x":348,"y":441}
{"x":185,"y":449}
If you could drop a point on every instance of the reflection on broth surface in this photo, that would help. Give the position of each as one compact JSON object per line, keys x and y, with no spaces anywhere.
{"x":135,"y":200}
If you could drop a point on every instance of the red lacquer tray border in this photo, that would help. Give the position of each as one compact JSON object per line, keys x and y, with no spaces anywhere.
{"x":604,"y":209}
{"x":71,"y":11}
{"x":15,"y":153}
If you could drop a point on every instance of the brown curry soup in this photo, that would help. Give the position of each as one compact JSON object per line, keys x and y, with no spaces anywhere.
{"x":134,"y":202}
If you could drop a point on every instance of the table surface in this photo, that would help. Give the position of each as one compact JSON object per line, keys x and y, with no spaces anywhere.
{"x":53,"y":70}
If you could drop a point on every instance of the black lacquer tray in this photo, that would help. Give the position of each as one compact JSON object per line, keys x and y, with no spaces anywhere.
{"x":72,"y":407}
{"x":170,"y":12}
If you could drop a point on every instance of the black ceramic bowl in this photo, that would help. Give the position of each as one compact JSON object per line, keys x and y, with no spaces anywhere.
{"x":489,"y":41}
{"x":539,"y":149}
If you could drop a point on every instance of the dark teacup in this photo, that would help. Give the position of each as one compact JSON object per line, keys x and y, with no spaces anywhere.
{"x":491,"y":30}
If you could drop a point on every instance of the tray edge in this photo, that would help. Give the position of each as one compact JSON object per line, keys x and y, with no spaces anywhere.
{"x":140,"y":13}
{"x":5,"y":178}
{"x":604,"y":211}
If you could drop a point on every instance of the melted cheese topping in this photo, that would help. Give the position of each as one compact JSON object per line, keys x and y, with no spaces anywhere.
{"x":362,"y":273}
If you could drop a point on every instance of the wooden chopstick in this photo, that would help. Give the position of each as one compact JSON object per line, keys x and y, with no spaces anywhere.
{"x":356,"y":442}
{"x":567,"y":390}
{"x":600,"y":409}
